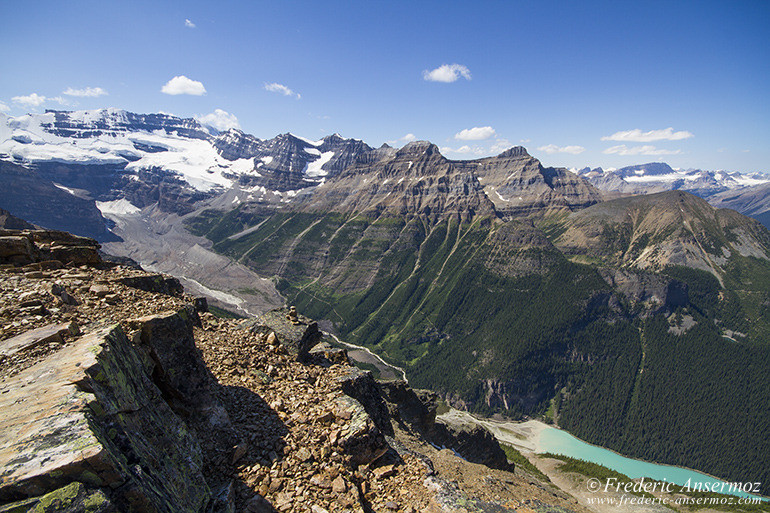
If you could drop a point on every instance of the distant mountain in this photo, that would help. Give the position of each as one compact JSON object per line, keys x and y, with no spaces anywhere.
{"x":110,"y":155}
{"x":10,"y":222}
{"x":26,"y":194}
{"x":661,"y":230}
{"x":752,"y":201}
{"x":659,"y":176}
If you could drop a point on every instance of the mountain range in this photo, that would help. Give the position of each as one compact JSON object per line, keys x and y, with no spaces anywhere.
{"x":507,"y":286}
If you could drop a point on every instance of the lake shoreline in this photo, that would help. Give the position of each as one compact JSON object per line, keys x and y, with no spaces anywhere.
{"x":528,"y":437}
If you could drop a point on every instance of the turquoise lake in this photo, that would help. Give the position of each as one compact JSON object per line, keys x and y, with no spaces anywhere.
{"x":560,"y":442}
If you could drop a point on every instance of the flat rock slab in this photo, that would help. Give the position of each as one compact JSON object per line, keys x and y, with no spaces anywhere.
{"x":46,"y":438}
{"x":90,"y":413}
{"x":32,"y":338}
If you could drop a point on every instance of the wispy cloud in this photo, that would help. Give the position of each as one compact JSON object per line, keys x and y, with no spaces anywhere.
{"x":636,"y":135}
{"x":647,"y":149}
{"x":183,"y":85}
{"x":36,"y":100}
{"x":4,"y":107}
{"x":476,"y":133}
{"x":275,"y":87}
{"x":500,"y":145}
{"x":447,"y":73}
{"x":403,"y":140}
{"x":220,"y":119}
{"x":189,"y":24}
{"x":463,"y":150}
{"x":552,"y":148}
{"x":89,"y":92}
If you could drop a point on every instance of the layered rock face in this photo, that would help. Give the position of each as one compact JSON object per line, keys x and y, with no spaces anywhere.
{"x":518,"y":184}
{"x":114,"y":122}
{"x":418,"y":180}
{"x":47,"y":248}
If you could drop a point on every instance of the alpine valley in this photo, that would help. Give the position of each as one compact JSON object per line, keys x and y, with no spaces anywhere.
{"x":622,"y":305}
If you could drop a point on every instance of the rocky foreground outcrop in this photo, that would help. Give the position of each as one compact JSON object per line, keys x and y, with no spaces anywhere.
{"x":118,"y":394}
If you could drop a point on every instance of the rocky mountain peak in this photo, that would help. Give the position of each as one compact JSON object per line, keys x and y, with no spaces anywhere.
{"x":649,"y":169}
{"x":419,"y":149}
{"x":516,"y":151}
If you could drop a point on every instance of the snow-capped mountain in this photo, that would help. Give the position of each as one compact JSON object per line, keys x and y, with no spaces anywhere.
{"x":111,"y":155}
{"x":659,"y":176}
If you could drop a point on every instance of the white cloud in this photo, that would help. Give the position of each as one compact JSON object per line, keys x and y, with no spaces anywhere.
{"x":31,"y":100}
{"x":91,"y":92}
{"x":403,"y":140}
{"x":183,"y":85}
{"x":461,"y":149}
{"x":36,"y":100}
{"x":552,"y":148}
{"x":447,"y":73}
{"x":465,"y":149}
{"x":275,"y":87}
{"x":189,"y":24}
{"x":4,"y":107}
{"x":220,"y":119}
{"x":476,"y":133}
{"x":636,"y":135}
{"x":639,"y":150}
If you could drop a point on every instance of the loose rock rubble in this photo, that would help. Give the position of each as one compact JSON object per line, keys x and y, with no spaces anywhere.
{"x":280,"y":426}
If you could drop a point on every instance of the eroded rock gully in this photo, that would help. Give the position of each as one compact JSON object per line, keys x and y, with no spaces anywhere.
{"x":117,"y":394}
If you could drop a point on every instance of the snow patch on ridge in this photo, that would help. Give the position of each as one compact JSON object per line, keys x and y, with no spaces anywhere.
{"x":313,"y":143}
{"x":116,"y":207}
{"x":314,"y":169}
{"x":59,"y":186}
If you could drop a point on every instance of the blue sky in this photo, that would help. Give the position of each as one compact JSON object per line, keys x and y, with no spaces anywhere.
{"x":578,"y":83}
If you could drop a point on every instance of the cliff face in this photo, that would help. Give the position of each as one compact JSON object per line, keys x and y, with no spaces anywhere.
{"x":119,"y":395}
{"x":31,"y":196}
{"x":418,"y":180}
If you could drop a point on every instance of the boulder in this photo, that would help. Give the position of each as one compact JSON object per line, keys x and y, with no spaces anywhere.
{"x":472,"y":442}
{"x":359,"y":441}
{"x":298,"y":339}
{"x":361,"y":386}
{"x":17,"y":249}
{"x":160,"y":283}
{"x":410,"y":407}
{"x":175,"y":364}
{"x":324,"y":354}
